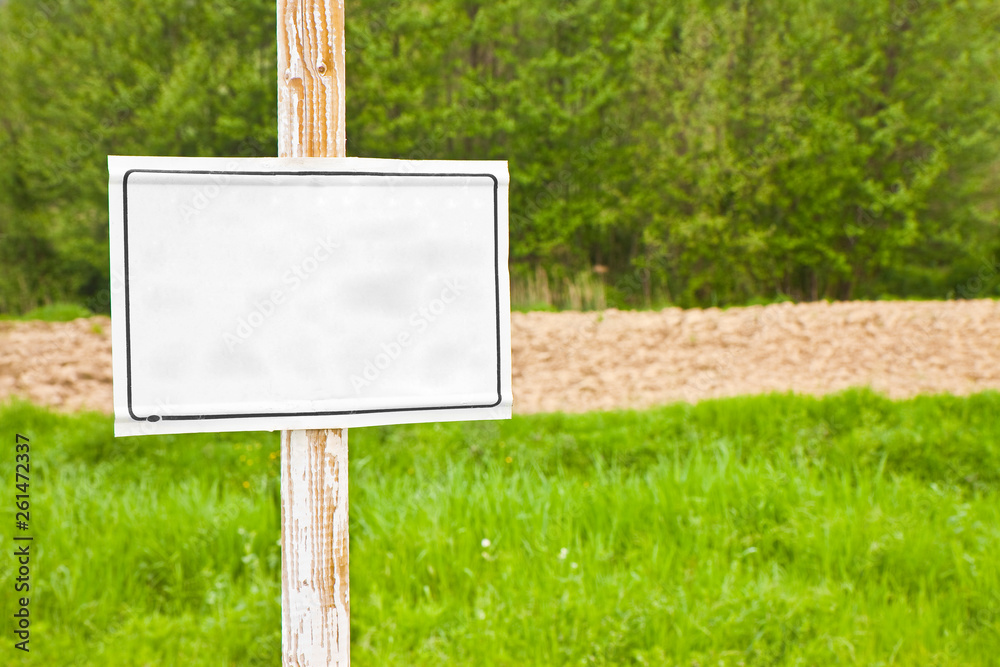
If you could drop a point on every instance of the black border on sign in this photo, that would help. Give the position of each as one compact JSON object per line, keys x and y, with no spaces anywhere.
{"x":208,"y":172}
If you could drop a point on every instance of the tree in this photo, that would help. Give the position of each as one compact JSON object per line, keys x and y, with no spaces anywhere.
{"x":87,"y":78}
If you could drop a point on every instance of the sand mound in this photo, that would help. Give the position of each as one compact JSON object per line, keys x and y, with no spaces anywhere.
{"x":596,"y":361}
{"x":583,"y":361}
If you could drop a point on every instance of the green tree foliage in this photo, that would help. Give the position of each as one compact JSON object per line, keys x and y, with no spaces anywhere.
{"x":811,"y":150}
{"x":704,"y":151}
{"x":84,"y":79}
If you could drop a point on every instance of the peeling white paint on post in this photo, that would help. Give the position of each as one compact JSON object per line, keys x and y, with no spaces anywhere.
{"x":315,"y":565}
{"x":315,"y":557}
{"x":311,"y":79}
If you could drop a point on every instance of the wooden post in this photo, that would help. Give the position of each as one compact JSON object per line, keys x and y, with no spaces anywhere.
{"x":311,"y":114}
{"x":315,"y":559}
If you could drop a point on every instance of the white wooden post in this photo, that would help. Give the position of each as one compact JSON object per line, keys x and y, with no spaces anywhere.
{"x":315,"y":558}
{"x":315,"y":561}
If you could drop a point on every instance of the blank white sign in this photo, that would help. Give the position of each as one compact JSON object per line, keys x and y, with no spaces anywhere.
{"x":289,"y":293}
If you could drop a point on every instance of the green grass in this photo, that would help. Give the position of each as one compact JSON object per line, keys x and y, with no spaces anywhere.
{"x":56,"y":312}
{"x":773,"y":530}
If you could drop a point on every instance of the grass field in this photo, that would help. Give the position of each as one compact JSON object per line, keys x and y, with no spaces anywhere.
{"x":773,"y":530}
{"x":56,"y":312}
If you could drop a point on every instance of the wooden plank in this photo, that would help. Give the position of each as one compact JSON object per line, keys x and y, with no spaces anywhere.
{"x":315,"y":556}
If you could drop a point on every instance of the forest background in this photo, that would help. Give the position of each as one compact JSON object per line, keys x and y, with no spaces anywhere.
{"x":685,"y":152}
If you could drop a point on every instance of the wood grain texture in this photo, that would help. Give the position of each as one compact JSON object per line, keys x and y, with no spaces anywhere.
{"x":315,"y":559}
{"x":315,"y":556}
{"x":311,"y":79}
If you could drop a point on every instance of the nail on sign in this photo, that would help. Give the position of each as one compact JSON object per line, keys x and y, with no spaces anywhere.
{"x":286,"y":293}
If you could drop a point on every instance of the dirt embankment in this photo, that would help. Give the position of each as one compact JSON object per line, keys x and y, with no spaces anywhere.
{"x":593,"y":361}
{"x":583,"y":361}
{"x":65,"y":365}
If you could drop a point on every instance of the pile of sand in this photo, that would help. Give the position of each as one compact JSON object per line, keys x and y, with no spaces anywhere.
{"x":596,"y":361}
{"x":65,"y":365}
{"x":584,"y":361}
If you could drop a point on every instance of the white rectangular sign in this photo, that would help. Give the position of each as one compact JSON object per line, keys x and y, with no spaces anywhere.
{"x":288,"y":293}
